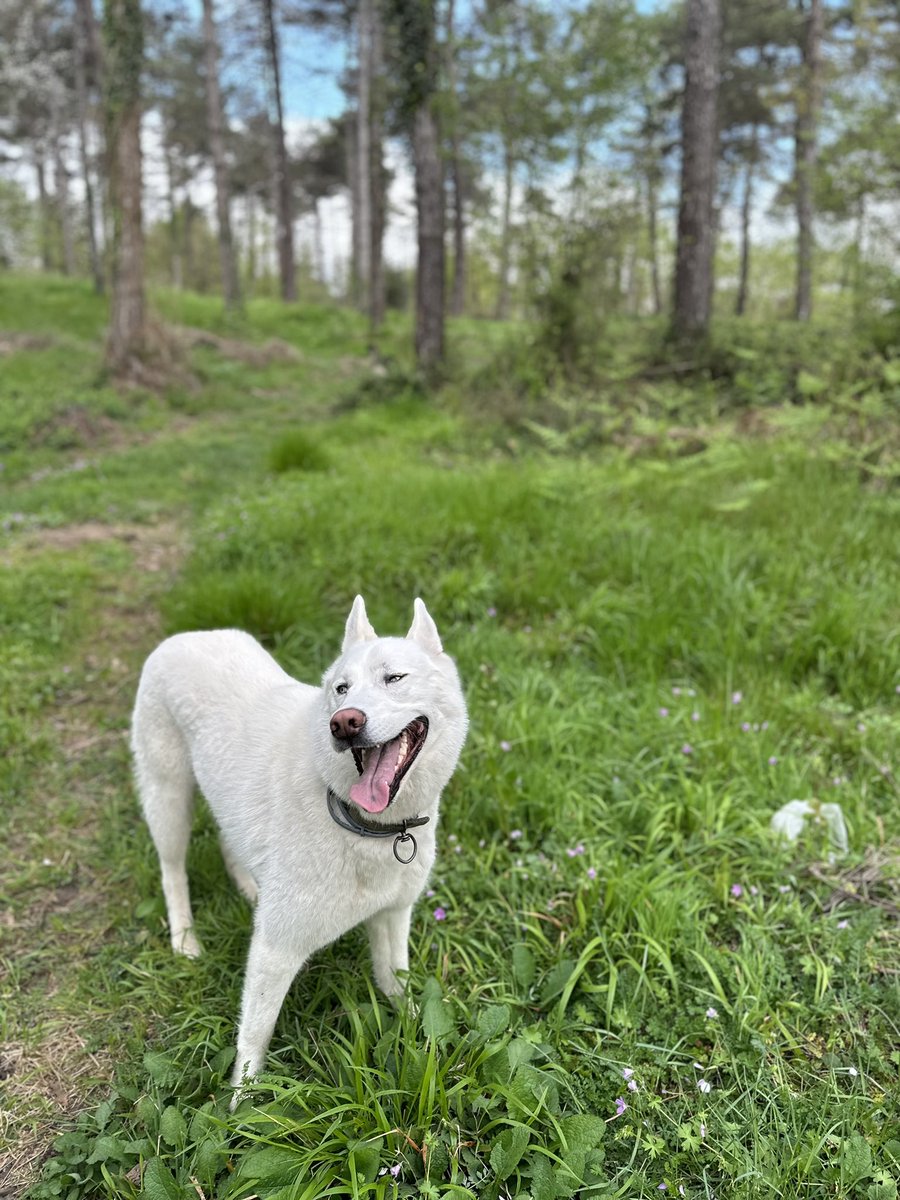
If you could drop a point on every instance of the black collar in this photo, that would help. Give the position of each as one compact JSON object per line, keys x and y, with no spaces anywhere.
{"x":350,"y":819}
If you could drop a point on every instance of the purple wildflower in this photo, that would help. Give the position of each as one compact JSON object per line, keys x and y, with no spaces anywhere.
{"x":687,"y":748}
{"x":515,"y":834}
{"x":663,"y":712}
{"x":492,"y":612}
{"x":843,"y":925}
{"x":712,"y":1013}
{"x":772,"y":760}
{"x":506,"y":746}
{"x":736,"y":890}
{"x":737,"y":697}
{"x":695,"y":716}
{"x":621,"y":1106}
{"x":592,"y":872}
{"x":440,"y":914}
{"x":396,"y":1169}
{"x":627,"y":1072}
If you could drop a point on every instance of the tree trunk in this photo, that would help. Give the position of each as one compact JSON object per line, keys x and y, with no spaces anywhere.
{"x":40,"y":171}
{"x":502,"y":309}
{"x":806,"y":154}
{"x":250,"y":202}
{"x":699,"y":137}
{"x":82,"y":96}
{"x":377,"y":298}
{"x":362,"y":149}
{"x":653,"y":237}
{"x":176,"y":266}
{"x":281,"y":167}
{"x":318,"y":242}
{"x":746,"y":211}
{"x":62,"y":199}
{"x":215,"y":116}
{"x":430,"y":219}
{"x":458,"y":291}
{"x":124,"y":48}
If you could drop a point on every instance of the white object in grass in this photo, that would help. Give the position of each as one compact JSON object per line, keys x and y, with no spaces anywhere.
{"x":790,"y":821}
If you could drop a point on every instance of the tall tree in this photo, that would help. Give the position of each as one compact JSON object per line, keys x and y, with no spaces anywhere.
{"x":699,"y":147}
{"x":88,"y":74}
{"x":418,"y":103}
{"x":458,"y":291}
{"x":806,"y":150}
{"x":123,"y":52}
{"x":368,"y":164}
{"x":281,"y":173}
{"x":215,"y":116}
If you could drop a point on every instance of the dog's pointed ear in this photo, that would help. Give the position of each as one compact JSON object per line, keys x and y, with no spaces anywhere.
{"x":358,"y":628}
{"x":423,"y":629}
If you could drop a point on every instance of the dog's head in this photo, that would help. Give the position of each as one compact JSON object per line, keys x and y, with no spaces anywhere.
{"x":392,"y":719}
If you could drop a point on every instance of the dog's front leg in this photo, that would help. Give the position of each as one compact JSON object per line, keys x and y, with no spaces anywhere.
{"x":389,"y":940}
{"x":270,"y":971}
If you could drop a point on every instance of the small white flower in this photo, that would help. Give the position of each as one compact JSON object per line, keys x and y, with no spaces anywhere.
{"x":704,"y":1085}
{"x":852,"y":1071}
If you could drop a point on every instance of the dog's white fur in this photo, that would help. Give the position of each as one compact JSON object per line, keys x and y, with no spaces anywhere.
{"x":215,"y":709}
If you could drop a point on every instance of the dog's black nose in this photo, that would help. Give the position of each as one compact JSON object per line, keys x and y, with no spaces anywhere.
{"x":347,"y":723}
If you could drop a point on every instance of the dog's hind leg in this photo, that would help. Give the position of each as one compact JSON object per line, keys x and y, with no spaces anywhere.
{"x":389,"y":941}
{"x":166,"y":787}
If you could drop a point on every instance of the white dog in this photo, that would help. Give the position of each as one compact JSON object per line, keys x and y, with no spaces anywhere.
{"x":326,"y":798}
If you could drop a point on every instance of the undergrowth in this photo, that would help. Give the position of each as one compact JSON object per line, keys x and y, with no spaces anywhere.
{"x":622,"y":983}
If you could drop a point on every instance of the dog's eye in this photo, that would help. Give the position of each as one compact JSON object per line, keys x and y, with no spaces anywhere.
{"x":393,"y":678}
{"x":342,"y":688}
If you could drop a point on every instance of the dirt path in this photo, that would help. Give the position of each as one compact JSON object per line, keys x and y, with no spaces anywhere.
{"x":55,"y":890}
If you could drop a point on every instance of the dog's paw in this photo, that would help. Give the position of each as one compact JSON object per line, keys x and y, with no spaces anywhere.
{"x":186,"y":943}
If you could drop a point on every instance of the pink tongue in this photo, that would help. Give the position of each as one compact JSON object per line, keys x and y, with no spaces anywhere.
{"x":372,"y":791}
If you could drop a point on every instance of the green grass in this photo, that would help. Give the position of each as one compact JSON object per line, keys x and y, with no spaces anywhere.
{"x":658,"y":653}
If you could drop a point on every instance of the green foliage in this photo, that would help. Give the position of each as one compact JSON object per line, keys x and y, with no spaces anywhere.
{"x":296,"y":451}
{"x":659,"y":651}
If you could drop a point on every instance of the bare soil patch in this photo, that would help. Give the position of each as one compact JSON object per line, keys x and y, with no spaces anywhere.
{"x":47,"y":1070}
{"x":254,"y":354}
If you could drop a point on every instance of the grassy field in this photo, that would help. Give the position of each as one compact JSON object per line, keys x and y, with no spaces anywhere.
{"x":623,"y":984}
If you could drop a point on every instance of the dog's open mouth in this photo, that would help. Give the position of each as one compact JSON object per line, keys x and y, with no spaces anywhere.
{"x":382,"y":768}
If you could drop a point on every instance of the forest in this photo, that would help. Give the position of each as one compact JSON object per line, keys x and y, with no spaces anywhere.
{"x":579,"y":320}
{"x":565,"y":162}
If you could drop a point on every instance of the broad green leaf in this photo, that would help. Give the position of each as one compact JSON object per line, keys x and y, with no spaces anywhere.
{"x":160,"y":1184}
{"x":507,"y":1151}
{"x":160,"y":1067}
{"x":492,"y":1021}
{"x":543,"y":1185}
{"x":556,"y":980}
{"x":583,"y":1132}
{"x":436,"y":1019}
{"x":523,"y":965}
{"x":173,"y":1127}
{"x":272,"y":1165}
{"x":108,"y":1146}
{"x":856,"y":1158}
